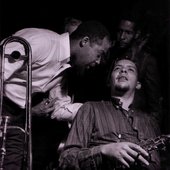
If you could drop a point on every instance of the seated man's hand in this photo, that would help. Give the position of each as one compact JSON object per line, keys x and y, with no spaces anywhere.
{"x":126,"y":153}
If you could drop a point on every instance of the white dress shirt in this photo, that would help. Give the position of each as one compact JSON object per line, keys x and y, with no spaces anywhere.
{"x":50,"y":57}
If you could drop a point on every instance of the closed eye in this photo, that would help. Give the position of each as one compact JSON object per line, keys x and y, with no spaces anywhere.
{"x":132,"y":70}
{"x":116,"y":68}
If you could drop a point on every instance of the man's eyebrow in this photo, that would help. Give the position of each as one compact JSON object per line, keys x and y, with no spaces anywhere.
{"x":132,"y":66}
{"x":126,"y":65}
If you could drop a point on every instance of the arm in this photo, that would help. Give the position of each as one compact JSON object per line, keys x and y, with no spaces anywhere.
{"x":76,"y":154}
{"x":64,"y":110}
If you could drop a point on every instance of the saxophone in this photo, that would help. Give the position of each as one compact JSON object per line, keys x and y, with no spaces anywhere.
{"x":159,"y":143}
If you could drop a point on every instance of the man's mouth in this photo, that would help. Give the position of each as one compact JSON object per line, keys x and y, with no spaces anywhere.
{"x":122,"y":44}
{"x":122,"y":78}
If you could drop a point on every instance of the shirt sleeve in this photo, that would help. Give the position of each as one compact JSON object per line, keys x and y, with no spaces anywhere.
{"x":65,"y":110}
{"x":77,"y":154}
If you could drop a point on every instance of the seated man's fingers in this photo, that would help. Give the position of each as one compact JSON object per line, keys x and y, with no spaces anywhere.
{"x":142,"y":159}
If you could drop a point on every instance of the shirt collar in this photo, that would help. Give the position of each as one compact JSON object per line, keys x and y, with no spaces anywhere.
{"x":118,"y":104}
{"x":64,"y":47}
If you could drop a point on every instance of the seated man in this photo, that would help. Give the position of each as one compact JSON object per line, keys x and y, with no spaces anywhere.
{"x":109,"y":134}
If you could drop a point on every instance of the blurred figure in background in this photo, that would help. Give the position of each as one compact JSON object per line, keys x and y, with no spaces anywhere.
{"x":71,"y":24}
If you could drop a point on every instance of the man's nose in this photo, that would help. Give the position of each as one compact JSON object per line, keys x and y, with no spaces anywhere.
{"x":123,"y":70}
{"x":98,"y":60}
{"x":122,"y":36}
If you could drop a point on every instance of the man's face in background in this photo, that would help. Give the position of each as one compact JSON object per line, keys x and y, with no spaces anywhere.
{"x":126,"y":33}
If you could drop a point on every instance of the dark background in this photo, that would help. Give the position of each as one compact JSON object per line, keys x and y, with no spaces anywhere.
{"x":154,"y":15}
{"x":16,"y":14}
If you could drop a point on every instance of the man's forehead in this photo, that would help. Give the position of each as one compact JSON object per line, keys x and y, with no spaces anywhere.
{"x":125,"y":62}
{"x":127,"y":24}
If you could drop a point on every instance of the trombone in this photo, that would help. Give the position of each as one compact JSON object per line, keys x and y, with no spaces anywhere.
{"x":3,"y":124}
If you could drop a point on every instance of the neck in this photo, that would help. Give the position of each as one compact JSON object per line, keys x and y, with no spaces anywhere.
{"x":126,"y":100}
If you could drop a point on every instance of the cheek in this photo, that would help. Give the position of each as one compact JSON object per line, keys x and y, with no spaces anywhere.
{"x":91,"y":56}
{"x":113,"y":78}
{"x":84,"y":56}
{"x":88,"y":57}
{"x":130,"y":38}
{"x":133,"y":80}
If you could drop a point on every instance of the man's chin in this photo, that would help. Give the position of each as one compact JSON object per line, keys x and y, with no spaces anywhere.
{"x":80,"y":70}
{"x":122,"y":88}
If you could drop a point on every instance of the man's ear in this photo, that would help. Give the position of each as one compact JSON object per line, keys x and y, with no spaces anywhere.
{"x":138,"y":86}
{"x":84,"y":41}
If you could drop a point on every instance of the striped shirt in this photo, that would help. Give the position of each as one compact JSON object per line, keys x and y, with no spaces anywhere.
{"x":100,"y":123}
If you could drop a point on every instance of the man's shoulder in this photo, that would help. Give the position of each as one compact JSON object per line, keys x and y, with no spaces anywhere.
{"x":96,"y":108}
{"x":105,"y":102}
{"x":30,"y":33}
{"x":145,"y":115}
{"x":97,"y":104}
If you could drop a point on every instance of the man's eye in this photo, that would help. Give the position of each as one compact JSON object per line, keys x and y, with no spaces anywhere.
{"x":116,"y":68}
{"x":131,"y":70}
{"x":99,"y":56}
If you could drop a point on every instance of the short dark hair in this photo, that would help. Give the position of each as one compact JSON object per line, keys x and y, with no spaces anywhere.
{"x":95,"y":30}
{"x":130,"y":16}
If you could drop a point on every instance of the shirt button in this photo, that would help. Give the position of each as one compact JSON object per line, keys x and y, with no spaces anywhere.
{"x":119,"y":136}
{"x":117,"y":107}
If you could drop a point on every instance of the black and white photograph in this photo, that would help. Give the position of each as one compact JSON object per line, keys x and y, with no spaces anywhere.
{"x":85,"y":85}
